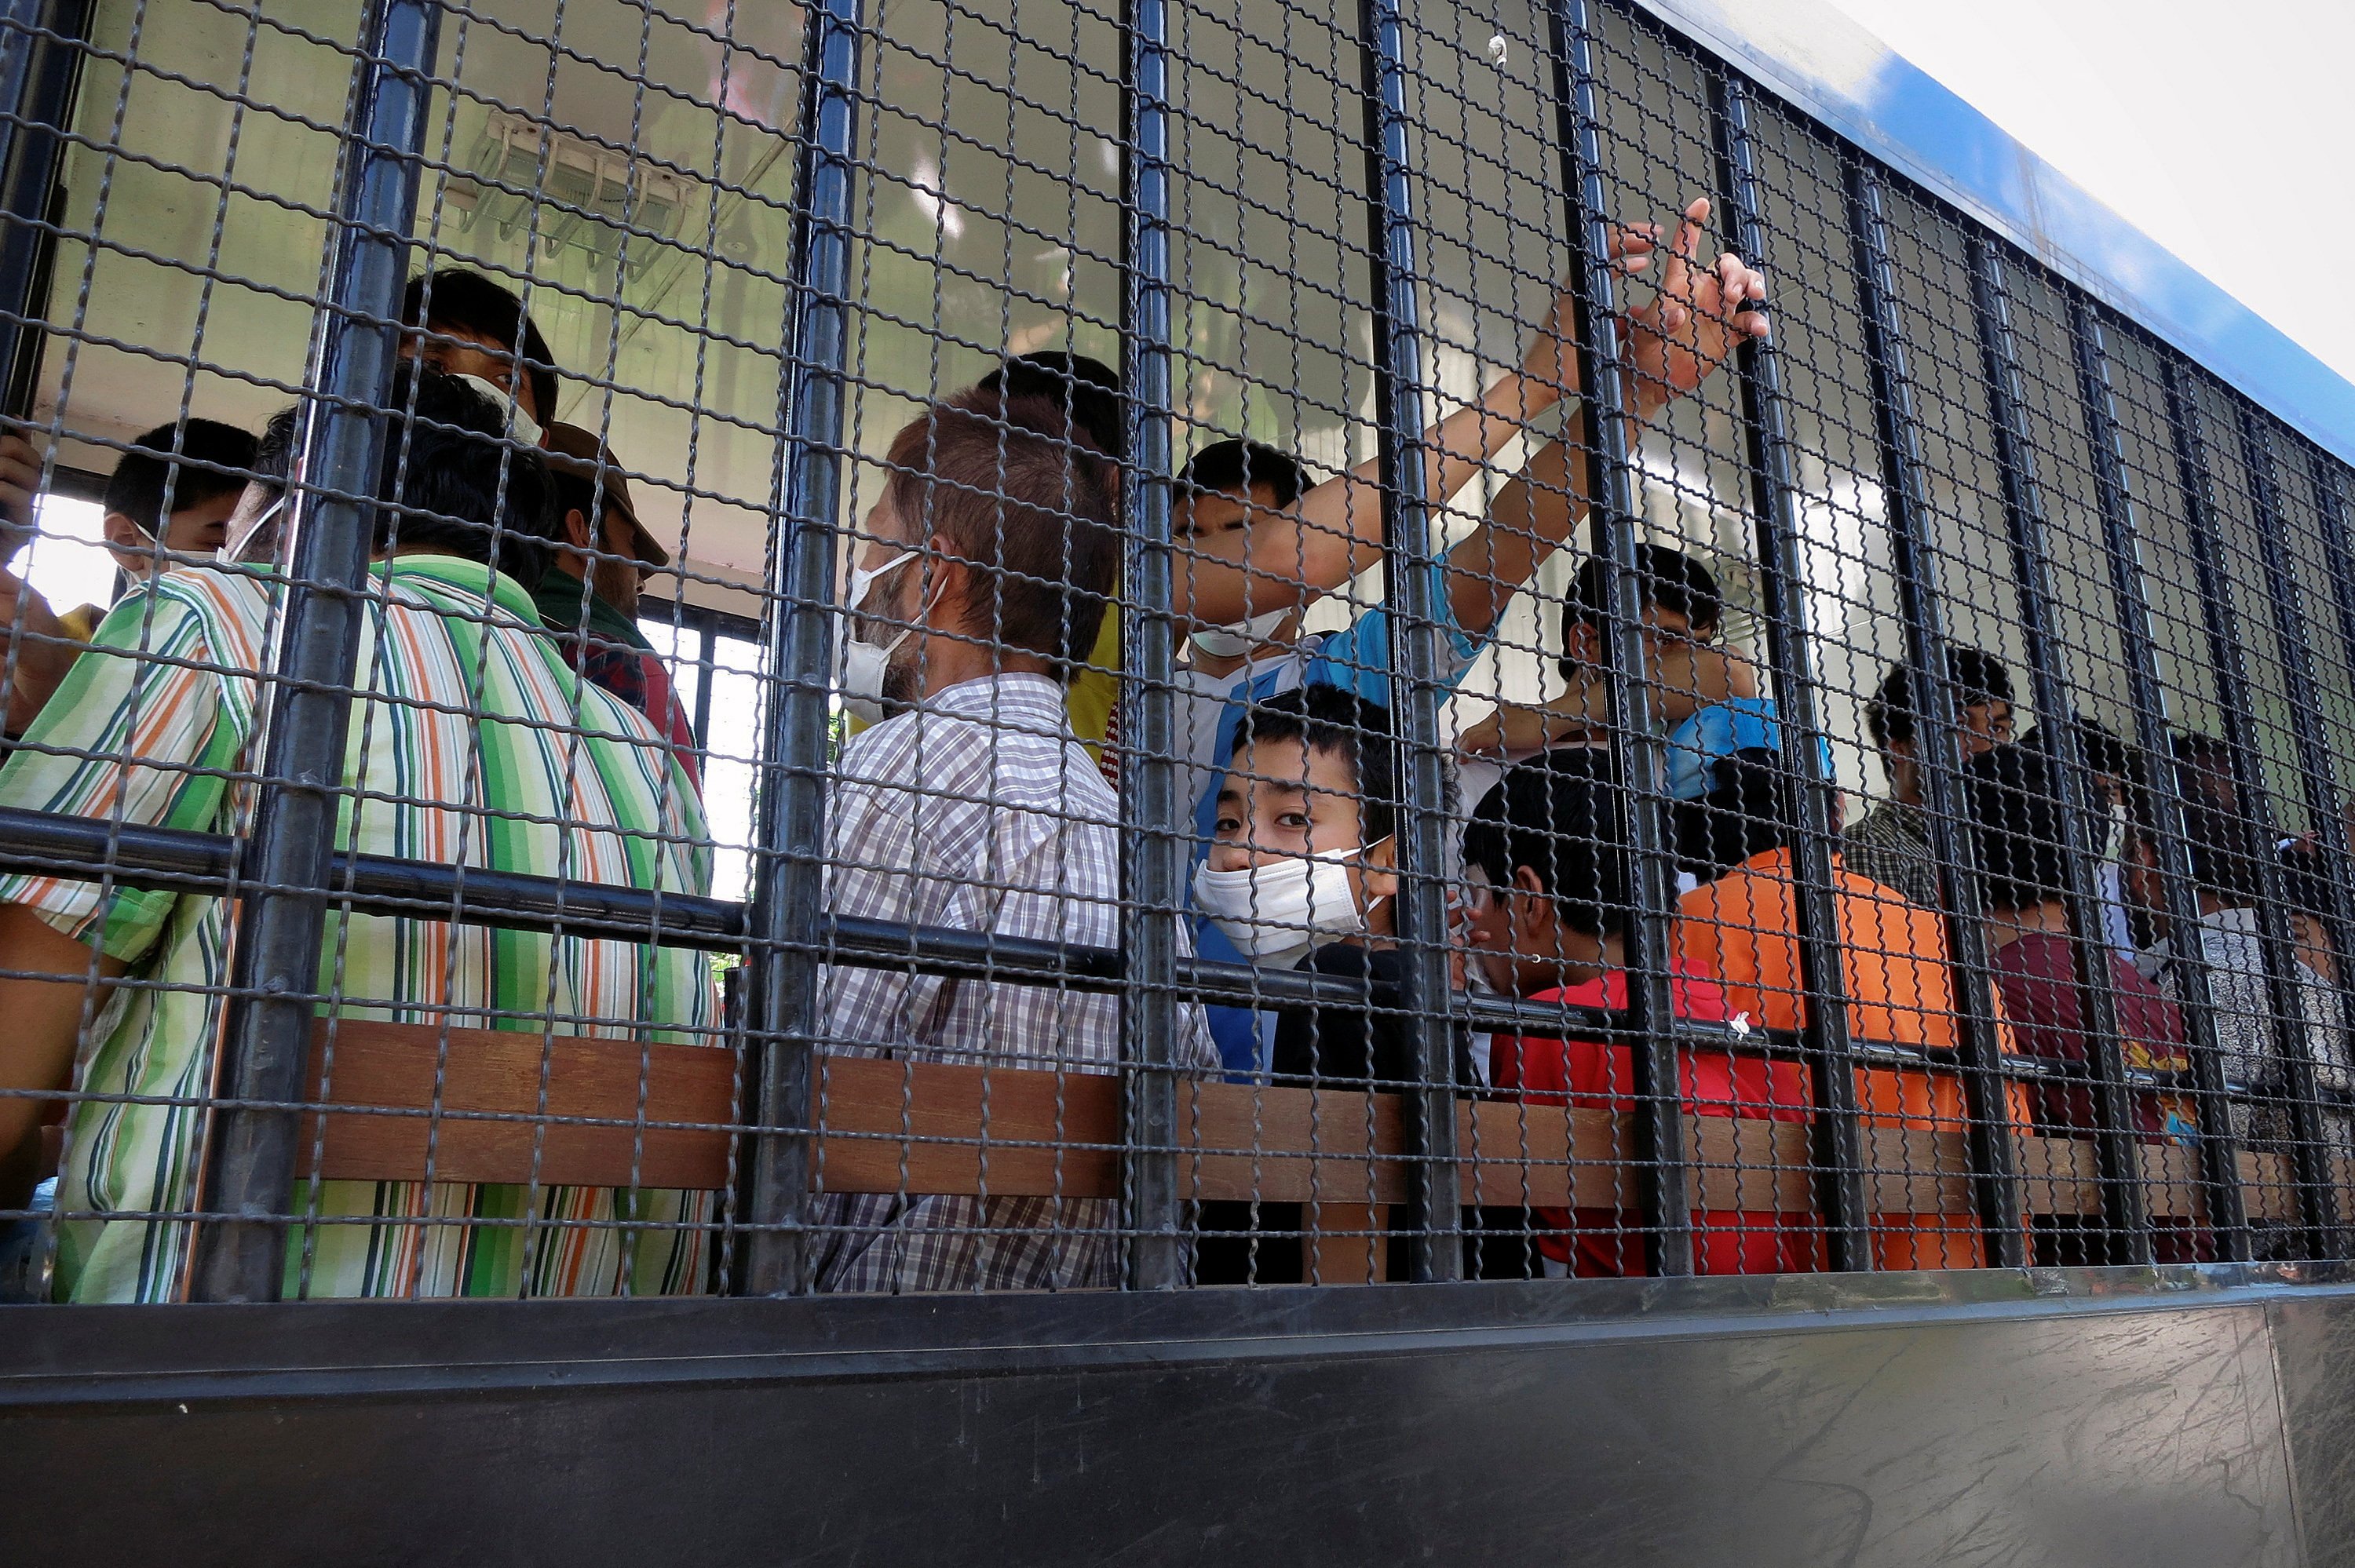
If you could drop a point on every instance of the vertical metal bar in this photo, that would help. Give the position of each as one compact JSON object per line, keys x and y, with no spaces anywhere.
{"x":2228,"y":660}
{"x":2330,"y":516}
{"x":708,"y":642}
{"x":1664,"y":1180}
{"x":2319,"y":780}
{"x":267,"y":1032}
{"x":2146,"y":694}
{"x":2025,"y":524}
{"x":1838,"y":1149}
{"x":1412,"y":579}
{"x":789,"y":893}
{"x":40,"y":69}
{"x":1155,"y":866}
{"x":1915,"y":558}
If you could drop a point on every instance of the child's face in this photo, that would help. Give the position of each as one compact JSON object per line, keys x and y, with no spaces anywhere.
{"x":1215,"y":528}
{"x":1520,"y":939}
{"x":1687,"y":669}
{"x":1281,"y":800}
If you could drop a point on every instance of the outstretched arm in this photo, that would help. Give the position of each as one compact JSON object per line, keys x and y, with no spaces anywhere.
{"x":1670,"y":346}
{"x":1673,"y":344}
{"x":1335,"y":531}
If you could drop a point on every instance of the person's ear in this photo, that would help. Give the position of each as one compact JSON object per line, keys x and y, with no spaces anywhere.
{"x":1584,"y":644}
{"x":129,"y":544}
{"x":1533,"y":912}
{"x":944,"y":578}
{"x":1380,"y":873}
{"x":576,"y":529}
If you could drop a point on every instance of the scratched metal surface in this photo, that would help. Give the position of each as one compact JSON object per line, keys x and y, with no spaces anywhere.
{"x":2093,"y":1418}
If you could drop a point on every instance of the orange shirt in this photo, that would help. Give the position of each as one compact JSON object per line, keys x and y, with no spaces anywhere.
{"x":1744,"y":928}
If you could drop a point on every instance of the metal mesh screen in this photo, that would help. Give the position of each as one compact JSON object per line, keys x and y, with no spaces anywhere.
{"x":914,"y":645}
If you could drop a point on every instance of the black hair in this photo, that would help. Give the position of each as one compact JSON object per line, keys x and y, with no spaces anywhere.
{"x":2106,"y":754}
{"x":1976,"y":676}
{"x":469,"y":300}
{"x":187,"y":460}
{"x":1558,"y":814}
{"x":449,"y":476}
{"x":1670,"y":579}
{"x":2203,"y":769}
{"x":2013,"y":804}
{"x":2305,"y":879}
{"x":1087,"y":390}
{"x":1751,"y":806}
{"x":2222,"y":847}
{"x":2104,"y":749}
{"x":1224,"y":467}
{"x":1330,"y":719}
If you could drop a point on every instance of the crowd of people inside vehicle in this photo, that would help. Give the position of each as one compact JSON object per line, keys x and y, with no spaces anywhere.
{"x":509,"y":714}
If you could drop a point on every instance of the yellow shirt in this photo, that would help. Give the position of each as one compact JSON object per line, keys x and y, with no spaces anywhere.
{"x":1093,"y":696}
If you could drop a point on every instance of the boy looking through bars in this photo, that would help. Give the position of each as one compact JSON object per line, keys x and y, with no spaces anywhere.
{"x":988,"y":564}
{"x":1890,"y":842}
{"x":1550,"y":904}
{"x":2012,"y":804}
{"x":1302,"y":875}
{"x":589,"y":595}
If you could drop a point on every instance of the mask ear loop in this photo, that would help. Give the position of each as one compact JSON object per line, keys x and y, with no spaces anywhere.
{"x":233,"y":548}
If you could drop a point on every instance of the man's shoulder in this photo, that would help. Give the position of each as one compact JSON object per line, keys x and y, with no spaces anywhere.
{"x":216,"y":616}
{"x":1886,"y":820}
{"x":976,"y":755}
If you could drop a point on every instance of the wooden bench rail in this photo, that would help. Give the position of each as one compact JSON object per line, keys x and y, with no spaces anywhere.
{"x":471,"y":1100}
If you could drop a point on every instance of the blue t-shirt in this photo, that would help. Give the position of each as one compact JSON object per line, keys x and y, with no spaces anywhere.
{"x":1719,"y":731}
{"x":1357,"y":659}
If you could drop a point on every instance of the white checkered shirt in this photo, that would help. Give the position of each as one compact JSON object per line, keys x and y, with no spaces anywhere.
{"x":977,"y":811}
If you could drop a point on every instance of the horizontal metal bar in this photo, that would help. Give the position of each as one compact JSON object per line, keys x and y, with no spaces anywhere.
{"x":84,"y":848}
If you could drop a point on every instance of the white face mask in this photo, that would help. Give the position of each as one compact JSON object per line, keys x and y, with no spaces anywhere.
{"x":1242,"y":637}
{"x":859,"y":664}
{"x":1282,"y":905}
{"x":522,"y":425}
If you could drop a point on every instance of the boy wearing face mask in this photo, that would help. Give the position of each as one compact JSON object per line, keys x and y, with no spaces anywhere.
{"x":1303,"y":875}
{"x":1550,"y":904}
{"x":1225,"y":489}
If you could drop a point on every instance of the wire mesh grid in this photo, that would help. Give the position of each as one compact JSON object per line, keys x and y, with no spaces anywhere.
{"x":914,"y":645}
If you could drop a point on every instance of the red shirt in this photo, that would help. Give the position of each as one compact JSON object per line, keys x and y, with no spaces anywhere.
{"x":2038,"y":976}
{"x":1590,"y":1076}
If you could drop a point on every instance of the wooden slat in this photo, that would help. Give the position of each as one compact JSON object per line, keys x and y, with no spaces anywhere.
{"x":940,"y":1128}
{"x":393,"y":1065}
{"x":1240,"y":1140}
{"x":1548,"y":1157}
{"x":944,"y":1128}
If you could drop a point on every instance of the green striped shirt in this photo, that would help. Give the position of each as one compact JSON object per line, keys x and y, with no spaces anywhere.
{"x":450,"y":758}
